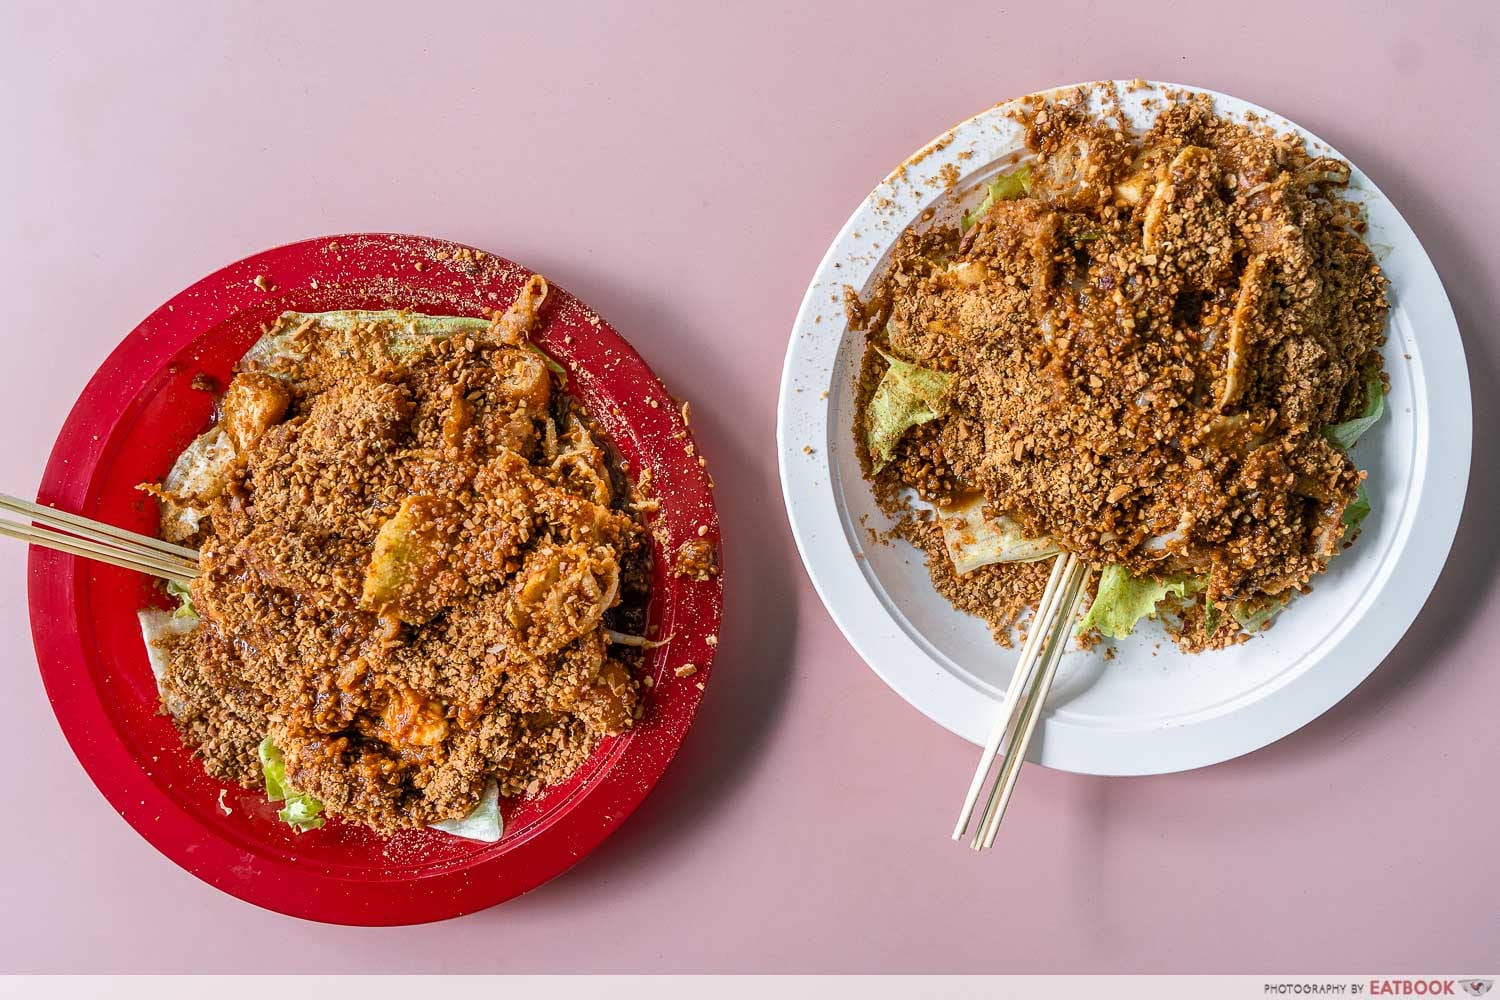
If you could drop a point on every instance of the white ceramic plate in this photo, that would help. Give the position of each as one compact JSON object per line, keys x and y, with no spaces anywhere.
{"x":1152,"y":709}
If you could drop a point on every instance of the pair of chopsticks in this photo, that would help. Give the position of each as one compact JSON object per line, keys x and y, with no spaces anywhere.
{"x":80,"y":536}
{"x":1046,"y":641}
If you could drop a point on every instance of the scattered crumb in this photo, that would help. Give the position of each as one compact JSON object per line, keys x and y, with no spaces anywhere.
{"x":696,"y":560}
{"x":687,"y":670}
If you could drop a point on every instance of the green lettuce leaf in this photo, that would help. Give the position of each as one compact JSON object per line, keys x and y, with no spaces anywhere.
{"x":1355,"y":514}
{"x":1345,"y":434}
{"x":1122,"y":600}
{"x":907,"y":395}
{"x":408,"y":331}
{"x":1210,"y":615}
{"x":301,"y":812}
{"x":1006,"y":187}
{"x":483,"y":822}
{"x":1253,"y":615}
{"x":974,"y":540}
{"x":159,"y":628}
{"x":184,"y":597}
{"x":416,"y":324}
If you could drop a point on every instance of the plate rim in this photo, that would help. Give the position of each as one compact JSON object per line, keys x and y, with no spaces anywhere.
{"x":631,"y":766}
{"x":912,"y":673}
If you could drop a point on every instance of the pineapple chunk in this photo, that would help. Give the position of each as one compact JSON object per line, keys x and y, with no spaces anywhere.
{"x":1254,"y":285}
{"x":562,"y":593}
{"x":1133,"y":188}
{"x":410,"y":573}
{"x":253,"y":402}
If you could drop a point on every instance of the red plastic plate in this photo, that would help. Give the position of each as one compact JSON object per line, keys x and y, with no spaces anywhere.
{"x":140,"y":409}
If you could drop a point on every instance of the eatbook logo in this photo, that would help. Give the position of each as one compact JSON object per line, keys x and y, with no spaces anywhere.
{"x":1476,"y":987}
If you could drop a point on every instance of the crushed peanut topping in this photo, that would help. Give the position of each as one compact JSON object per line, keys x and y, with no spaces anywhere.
{"x":1145,"y":350}
{"x":696,"y":559}
{"x":408,"y":573}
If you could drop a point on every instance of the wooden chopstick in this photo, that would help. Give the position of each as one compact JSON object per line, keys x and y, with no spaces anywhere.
{"x":179,"y":571}
{"x":1018,"y":680}
{"x":1072,"y":590}
{"x":1041,"y":654}
{"x":82,"y":536}
{"x":93,"y":530}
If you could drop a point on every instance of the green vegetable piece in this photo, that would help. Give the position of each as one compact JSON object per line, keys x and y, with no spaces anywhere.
{"x":1355,"y":514}
{"x":1345,"y":434}
{"x":907,"y":395}
{"x":1006,"y":187}
{"x":483,"y":822}
{"x":273,"y":769}
{"x":1210,"y":615}
{"x":409,"y":331}
{"x":1254,"y":615}
{"x":301,"y":812}
{"x":1122,"y":600}
{"x":412,"y":550}
{"x":184,"y":597}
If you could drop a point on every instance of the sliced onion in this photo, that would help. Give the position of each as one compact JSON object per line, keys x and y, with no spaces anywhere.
{"x":1159,"y":543}
{"x":640,"y":641}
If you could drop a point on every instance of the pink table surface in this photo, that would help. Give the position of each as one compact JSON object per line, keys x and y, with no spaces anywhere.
{"x":683,"y":170}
